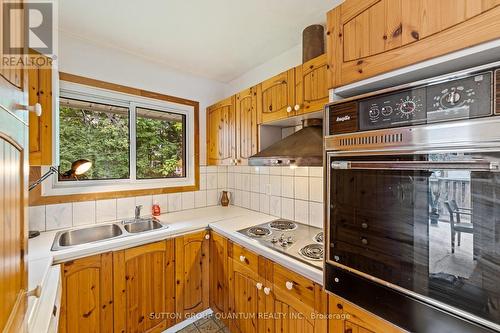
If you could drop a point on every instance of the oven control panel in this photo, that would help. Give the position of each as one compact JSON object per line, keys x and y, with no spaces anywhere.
{"x":463,"y":98}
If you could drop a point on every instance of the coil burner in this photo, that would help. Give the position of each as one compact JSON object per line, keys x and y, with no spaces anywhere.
{"x":283,"y":225}
{"x":312,"y":251}
{"x":319,"y":237}
{"x":258,"y":232}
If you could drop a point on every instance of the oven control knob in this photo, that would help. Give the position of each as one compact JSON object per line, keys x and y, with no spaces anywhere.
{"x":274,"y":240}
{"x":364,"y":241}
{"x":453,"y":97}
{"x":374,"y":113}
{"x":387,"y":110}
{"x":282,"y":238}
{"x":289,"y":240}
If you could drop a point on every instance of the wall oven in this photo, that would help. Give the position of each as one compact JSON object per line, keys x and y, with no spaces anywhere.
{"x":413,"y":202}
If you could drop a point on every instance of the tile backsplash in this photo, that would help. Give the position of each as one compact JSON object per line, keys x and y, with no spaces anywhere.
{"x":295,"y":194}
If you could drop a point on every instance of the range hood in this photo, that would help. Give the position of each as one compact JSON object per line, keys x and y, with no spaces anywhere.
{"x":302,"y":148}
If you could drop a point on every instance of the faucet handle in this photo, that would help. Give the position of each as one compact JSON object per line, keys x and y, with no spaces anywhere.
{"x":138,"y":211}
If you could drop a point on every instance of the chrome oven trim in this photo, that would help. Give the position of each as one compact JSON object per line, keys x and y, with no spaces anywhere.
{"x":428,"y":300}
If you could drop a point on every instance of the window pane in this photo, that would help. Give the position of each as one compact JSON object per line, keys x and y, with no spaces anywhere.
{"x":160,"y":144}
{"x":97,"y":132}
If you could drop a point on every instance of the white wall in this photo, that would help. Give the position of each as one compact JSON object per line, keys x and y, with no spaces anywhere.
{"x":85,"y":58}
{"x":284,"y":61}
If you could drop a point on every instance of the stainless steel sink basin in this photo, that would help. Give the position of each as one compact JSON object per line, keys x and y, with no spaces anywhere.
{"x":141,"y":225}
{"x":86,"y":235}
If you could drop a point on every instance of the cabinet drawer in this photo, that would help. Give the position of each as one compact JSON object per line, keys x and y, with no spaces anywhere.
{"x":300,"y":287}
{"x":245,"y":257}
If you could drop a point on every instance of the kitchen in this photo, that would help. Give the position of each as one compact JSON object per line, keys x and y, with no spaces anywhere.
{"x":221,"y":167}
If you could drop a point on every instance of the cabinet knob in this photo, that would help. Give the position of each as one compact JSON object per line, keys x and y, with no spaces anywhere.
{"x":259,"y":285}
{"x":364,"y":241}
{"x":37,"y":292}
{"x":289,"y":109}
{"x":207,"y":236}
{"x":296,"y":107}
{"x":267,"y":290}
{"x":289,"y":285}
{"x":242,"y":258}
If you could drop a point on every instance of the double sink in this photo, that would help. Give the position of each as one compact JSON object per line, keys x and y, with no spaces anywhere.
{"x":69,"y":238}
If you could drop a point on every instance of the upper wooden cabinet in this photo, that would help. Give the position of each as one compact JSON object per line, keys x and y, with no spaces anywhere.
{"x":277,"y":97}
{"x":367,"y":38}
{"x":221,"y":133}
{"x":246,"y":124}
{"x":14,"y":76}
{"x":192,"y":273}
{"x":311,"y":86}
{"x":144,"y":285}
{"x":40,"y":91}
{"x":87,"y":297}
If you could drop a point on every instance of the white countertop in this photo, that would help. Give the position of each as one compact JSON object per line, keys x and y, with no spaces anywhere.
{"x":224,"y":220}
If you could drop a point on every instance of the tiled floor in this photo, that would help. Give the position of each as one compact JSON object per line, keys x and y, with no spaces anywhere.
{"x":208,"y":324}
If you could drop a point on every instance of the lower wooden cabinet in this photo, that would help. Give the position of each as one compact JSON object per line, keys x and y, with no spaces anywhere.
{"x":87,"y":297}
{"x":352,"y":319}
{"x":144,"y":288}
{"x":218,"y":289}
{"x":192,"y":273}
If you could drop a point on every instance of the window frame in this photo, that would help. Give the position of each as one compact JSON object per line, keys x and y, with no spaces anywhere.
{"x":73,"y":90}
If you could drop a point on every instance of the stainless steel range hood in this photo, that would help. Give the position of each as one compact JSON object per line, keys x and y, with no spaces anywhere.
{"x":302,"y":148}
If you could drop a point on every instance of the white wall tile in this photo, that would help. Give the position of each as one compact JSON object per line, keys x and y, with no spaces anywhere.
{"x":236,"y":199}
{"x":264,"y":170}
{"x":37,"y":218}
{"x":316,"y":189}
{"x":275,"y":182}
{"x":212,"y":198}
{"x":212,"y":179}
{"x":287,"y":184}
{"x":316,"y":214}
{"x":245,"y":199}
{"x":254,"y":201}
{"x":222,"y":180}
{"x":275,"y":206}
{"x":187,"y":200}
{"x":105,"y":210}
{"x":59,"y":216}
{"x":125,"y":208}
{"x":245,"y":182}
{"x":287,"y":171}
{"x":287,"y":208}
{"x":265,"y":187}
{"x":255,"y":170}
{"x":221,"y":169}
{"x":264,"y":203}
{"x":238,"y":181}
{"x":301,"y":190}
{"x":302,"y":172}
{"x":146,"y":202}
{"x":276,"y":171}
{"x":254,"y":183}
{"x":301,"y":211}
{"x":83,"y":213}
{"x":174,"y":202}
{"x":316,"y":172}
{"x":162,"y":200}
{"x":211,"y":169}
{"x":200,"y":199}
{"x":203,"y":181}
{"x":230,"y":180}
{"x":203,"y":169}
{"x":244,"y":169}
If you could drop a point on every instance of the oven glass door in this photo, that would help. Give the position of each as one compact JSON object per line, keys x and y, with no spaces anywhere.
{"x":426,"y":224}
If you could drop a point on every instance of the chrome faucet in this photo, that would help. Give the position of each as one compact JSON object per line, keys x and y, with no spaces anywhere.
{"x":138,"y":212}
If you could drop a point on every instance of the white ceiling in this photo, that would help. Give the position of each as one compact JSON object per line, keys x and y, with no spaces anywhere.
{"x":216,"y":39}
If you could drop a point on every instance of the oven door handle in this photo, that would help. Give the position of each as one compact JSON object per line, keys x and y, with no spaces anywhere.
{"x":479,"y":165}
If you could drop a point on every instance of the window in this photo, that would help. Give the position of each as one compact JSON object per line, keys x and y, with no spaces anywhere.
{"x":133,"y":142}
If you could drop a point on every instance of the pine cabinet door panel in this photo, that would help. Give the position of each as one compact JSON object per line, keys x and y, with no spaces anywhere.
{"x":311,"y":79}
{"x":221,"y":132}
{"x":277,"y":94}
{"x":218,"y":275}
{"x":246,"y":124}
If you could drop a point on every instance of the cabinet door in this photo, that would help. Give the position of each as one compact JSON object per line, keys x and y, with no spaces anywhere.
{"x":221,"y":133}
{"x":87,"y":295}
{"x":311,"y":85}
{"x":218,"y":275}
{"x":347,"y":318}
{"x":14,"y":76}
{"x":191,"y":273}
{"x":144,"y":285}
{"x":40,"y":91}
{"x":277,"y":96}
{"x":246,"y":124}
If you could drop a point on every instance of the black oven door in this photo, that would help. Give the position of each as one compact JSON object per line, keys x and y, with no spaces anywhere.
{"x":427,"y":225}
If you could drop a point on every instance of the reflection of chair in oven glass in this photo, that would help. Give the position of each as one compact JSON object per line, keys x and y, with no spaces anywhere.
{"x":456,"y":224}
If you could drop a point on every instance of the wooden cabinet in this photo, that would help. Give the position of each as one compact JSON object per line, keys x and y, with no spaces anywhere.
{"x":367,"y":38}
{"x":15,"y":76}
{"x":246,"y":124}
{"x":277,"y":97}
{"x":144,"y":288}
{"x":40,"y":91}
{"x":221,"y":133}
{"x":311,"y":86}
{"x":348,"y":318}
{"x":192,"y":273}
{"x":87,"y":298}
{"x":218,"y":259}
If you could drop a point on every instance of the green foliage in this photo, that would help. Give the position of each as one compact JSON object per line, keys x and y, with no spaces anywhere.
{"x":103,"y":138}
